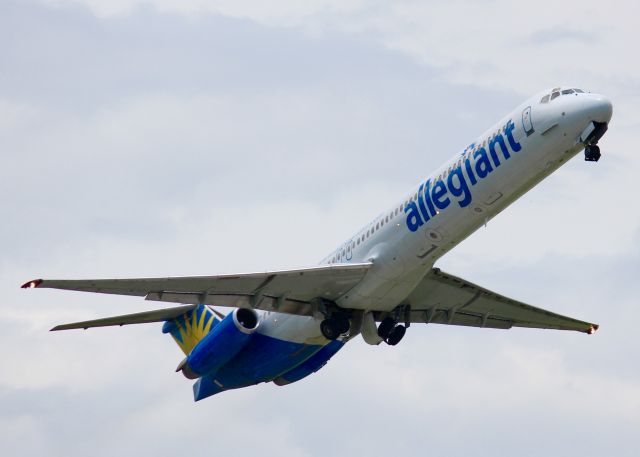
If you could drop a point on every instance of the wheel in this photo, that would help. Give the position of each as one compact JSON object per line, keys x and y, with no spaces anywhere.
{"x":396,"y":335}
{"x":329,"y":329}
{"x":342,"y":323}
{"x":592,"y":153}
{"x":385,"y":327}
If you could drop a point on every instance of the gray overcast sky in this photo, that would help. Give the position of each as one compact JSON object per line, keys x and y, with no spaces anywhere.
{"x":176,"y":137}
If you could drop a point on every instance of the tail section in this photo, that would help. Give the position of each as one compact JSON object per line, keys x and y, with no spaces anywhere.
{"x":189,"y":328}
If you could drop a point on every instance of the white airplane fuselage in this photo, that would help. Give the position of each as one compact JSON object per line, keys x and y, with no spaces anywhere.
{"x":405,"y":241}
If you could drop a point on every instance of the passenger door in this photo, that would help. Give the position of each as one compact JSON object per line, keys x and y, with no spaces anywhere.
{"x":527,"y":123}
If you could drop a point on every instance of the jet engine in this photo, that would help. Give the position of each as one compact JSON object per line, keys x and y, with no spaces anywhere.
{"x":221,"y":344}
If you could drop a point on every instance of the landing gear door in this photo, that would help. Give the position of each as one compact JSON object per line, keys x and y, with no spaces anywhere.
{"x":527,"y":124}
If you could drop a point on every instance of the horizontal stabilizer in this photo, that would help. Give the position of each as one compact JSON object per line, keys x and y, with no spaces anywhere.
{"x":146,"y":317}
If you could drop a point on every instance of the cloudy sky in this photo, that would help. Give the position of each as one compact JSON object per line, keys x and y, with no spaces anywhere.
{"x":177,"y":137}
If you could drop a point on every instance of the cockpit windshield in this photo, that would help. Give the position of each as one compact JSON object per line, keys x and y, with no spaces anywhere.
{"x":555,"y":93}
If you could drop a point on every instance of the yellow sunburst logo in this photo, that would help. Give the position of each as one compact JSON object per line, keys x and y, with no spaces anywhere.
{"x":192,"y":327}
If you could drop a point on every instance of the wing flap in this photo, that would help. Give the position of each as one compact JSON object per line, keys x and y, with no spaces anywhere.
{"x":281,"y":303}
{"x":446,"y":299}
{"x":443,"y":316}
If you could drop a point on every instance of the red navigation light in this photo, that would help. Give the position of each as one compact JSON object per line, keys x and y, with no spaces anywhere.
{"x":32,"y":284}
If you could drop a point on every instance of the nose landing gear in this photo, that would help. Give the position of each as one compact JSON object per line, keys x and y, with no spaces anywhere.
{"x":592,"y":153}
{"x":589,"y":137}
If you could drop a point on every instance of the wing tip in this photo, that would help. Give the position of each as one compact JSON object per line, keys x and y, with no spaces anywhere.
{"x":593,"y":328}
{"x":57,"y":328}
{"x":32,"y":284}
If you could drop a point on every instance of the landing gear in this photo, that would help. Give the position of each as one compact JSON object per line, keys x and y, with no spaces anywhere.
{"x":589,"y":137}
{"x":592,"y":153}
{"x":334,"y":326}
{"x":396,"y":335}
{"x":390,"y":331}
{"x":386,"y":327}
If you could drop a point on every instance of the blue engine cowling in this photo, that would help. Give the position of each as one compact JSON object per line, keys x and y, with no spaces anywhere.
{"x":221,"y":344}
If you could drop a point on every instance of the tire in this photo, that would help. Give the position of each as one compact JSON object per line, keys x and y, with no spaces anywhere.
{"x":385,"y":327}
{"x":329,"y":329}
{"x":592,"y":153}
{"x":342,"y":324}
{"x":396,"y":335}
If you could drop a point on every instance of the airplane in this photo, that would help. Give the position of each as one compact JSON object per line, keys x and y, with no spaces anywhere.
{"x":286,"y":325}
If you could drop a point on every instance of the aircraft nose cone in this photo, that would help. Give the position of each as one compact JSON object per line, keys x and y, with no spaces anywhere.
{"x":599,"y":108}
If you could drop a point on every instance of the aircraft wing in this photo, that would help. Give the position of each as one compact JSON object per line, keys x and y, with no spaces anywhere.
{"x":288,"y":291}
{"x":442,"y":298}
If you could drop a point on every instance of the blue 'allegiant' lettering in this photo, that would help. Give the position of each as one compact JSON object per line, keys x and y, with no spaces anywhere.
{"x":498,"y":140}
{"x":423,"y":210}
{"x":414,"y":221}
{"x":431,"y":198}
{"x":427,"y":197}
{"x":439,"y":191}
{"x":508,"y":130}
{"x":483,"y":164}
{"x":458,"y":186}
{"x":467,"y":166}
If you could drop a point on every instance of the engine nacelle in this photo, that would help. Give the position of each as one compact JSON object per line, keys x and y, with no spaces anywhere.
{"x":221,"y":344}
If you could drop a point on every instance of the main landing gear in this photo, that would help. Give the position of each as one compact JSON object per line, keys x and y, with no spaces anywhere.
{"x":339,"y":322}
{"x":390,"y":331}
{"x":334,"y":326}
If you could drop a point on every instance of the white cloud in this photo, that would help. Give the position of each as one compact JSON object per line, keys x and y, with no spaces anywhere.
{"x":487,"y":43}
{"x":274,"y":13}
